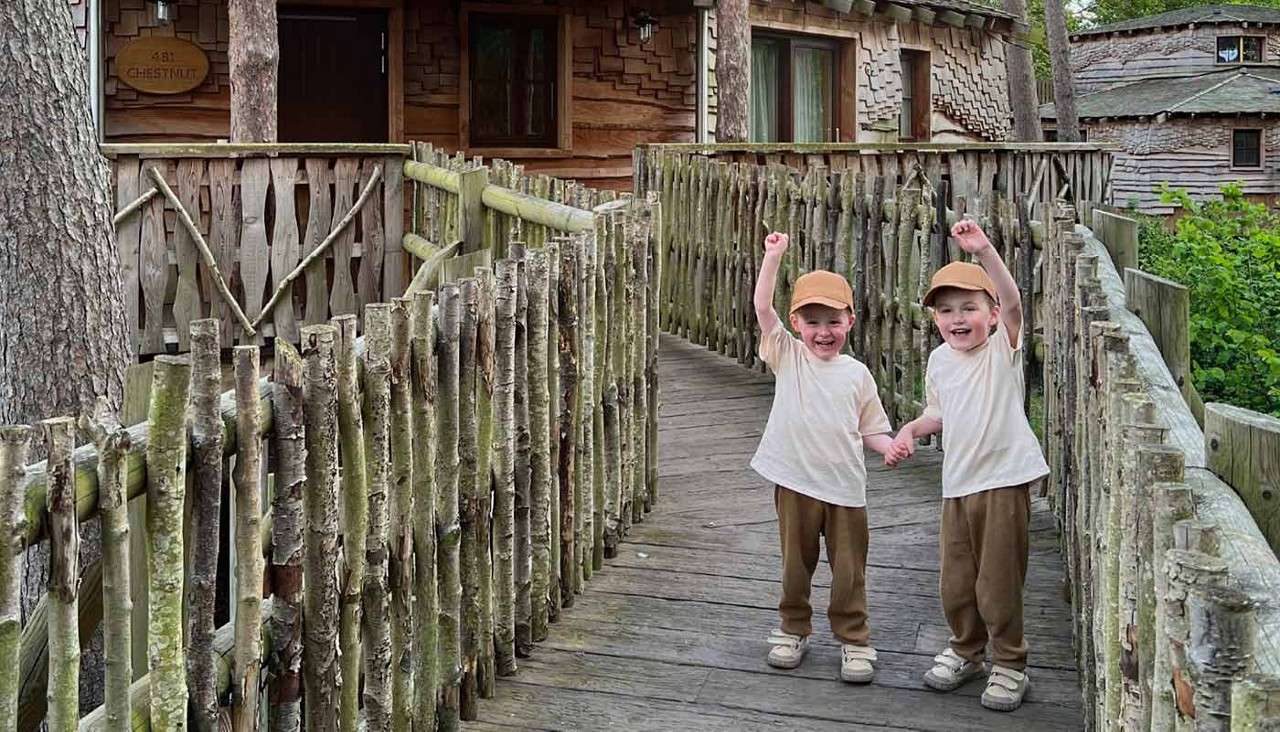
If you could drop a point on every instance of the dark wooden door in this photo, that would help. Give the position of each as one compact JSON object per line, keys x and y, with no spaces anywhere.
{"x":333,"y":80}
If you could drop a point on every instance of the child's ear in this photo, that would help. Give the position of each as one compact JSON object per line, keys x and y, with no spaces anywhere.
{"x":794,"y":320}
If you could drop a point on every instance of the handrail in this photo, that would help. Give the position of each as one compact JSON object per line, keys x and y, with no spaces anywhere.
{"x":507,"y":201}
{"x":247,"y":149}
{"x":876,"y":147}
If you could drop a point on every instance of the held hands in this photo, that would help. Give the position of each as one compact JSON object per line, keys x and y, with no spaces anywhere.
{"x":902,"y":447}
{"x":775,"y":244}
{"x":970,"y":236}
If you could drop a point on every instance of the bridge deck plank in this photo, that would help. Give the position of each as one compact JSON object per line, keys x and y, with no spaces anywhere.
{"x":671,"y":634}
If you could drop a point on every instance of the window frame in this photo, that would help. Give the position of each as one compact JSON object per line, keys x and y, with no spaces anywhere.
{"x":562,"y":107}
{"x":1262,"y":161}
{"x":1239,"y":43}
{"x":922,"y":107}
{"x":843,"y":126}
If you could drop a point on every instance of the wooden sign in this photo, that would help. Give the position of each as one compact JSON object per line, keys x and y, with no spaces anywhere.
{"x":162,"y":65}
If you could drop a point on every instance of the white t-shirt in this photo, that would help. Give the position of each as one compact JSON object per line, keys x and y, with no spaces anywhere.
{"x":821,"y":410}
{"x":986,"y":439}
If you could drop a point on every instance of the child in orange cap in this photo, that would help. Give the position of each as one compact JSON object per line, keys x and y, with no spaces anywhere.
{"x":825,"y":409}
{"x":973,"y":395}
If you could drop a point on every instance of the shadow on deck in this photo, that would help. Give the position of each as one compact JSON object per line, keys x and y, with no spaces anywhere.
{"x":672,"y":634}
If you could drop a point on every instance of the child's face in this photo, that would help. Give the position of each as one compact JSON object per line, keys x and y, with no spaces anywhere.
{"x":824,"y":330}
{"x":964,"y":317}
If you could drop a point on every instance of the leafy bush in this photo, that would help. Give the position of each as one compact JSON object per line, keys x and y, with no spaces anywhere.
{"x":1228,"y":253}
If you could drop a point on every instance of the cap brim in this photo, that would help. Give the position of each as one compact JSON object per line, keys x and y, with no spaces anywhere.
{"x":927,"y":300}
{"x":818,"y":300}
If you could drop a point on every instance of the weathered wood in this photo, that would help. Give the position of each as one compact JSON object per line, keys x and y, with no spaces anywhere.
{"x":569,"y":418}
{"x":1243,"y":449}
{"x":1165,"y":308}
{"x":288,"y":522}
{"x":15,"y":441}
{"x":64,"y":577}
{"x":426,"y":665}
{"x":469,"y":496}
{"x":400,"y":532}
{"x":486,"y":333}
{"x":553,"y":247}
{"x":166,"y":473}
{"x":341,"y":295}
{"x":286,"y":248}
{"x":1255,"y":703}
{"x":321,"y":673}
{"x":246,"y":665}
{"x":448,"y":530}
{"x":375,"y":629}
{"x":372,"y":240}
{"x":206,"y":506}
{"x":523,"y":559}
{"x":355,"y":493}
{"x":539,"y":442}
{"x":255,"y":177}
{"x":504,"y":418}
{"x":319,"y":213}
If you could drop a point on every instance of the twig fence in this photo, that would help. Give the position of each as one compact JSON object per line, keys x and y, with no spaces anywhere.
{"x":1173,"y":583}
{"x":435,"y":491}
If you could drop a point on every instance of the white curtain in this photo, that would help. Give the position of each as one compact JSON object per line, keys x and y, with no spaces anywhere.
{"x":764,"y":91}
{"x":811,"y":94}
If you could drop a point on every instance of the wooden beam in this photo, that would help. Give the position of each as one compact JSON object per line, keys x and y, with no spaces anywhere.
{"x":951,"y":18}
{"x":248,"y":150}
{"x":973,"y":20}
{"x":840,"y":6}
{"x":899,"y":13}
{"x":924,"y":15}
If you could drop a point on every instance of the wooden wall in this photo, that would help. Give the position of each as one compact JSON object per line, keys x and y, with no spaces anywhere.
{"x":1193,"y":154}
{"x":1099,"y":61}
{"x":624,"y":92}
{"x":970,"y":97}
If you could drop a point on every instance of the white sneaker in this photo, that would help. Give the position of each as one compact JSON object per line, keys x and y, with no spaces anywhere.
{"x":855,"y":663}
{"x":950,"y":671}
{"x":788,"y":649}
{"x":1005,"y":689}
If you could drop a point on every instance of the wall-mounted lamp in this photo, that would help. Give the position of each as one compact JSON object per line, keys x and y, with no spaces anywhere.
{"x":644,"y":23}
{"x":164,"y":11}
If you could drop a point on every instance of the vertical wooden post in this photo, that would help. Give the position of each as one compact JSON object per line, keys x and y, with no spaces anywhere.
{"x":1255,"y":703}
{"x":1119,"y":234}
{"x":599,"y":330}
{"x":1173,"y":503}
{"x":206,"y":508}
{"x":1221,"y":633}
{"x":400,"y":484}
{"x":554,"y":414}
{"x":15,"y":441}
{"x":321,"y":673}
{"x":653,"y":284}
{"x":1243,"y":449}
{"x":471,"y":184}
{"x":468,"y":496}
{"x":64,"y":577}
{"x":523,"y":560}
{"x":166,"y":477}
{"x":586,"y":477}
{"x":287,"y":536}
{"x":355,"y":516}
{"x":375,"y":630}
{"x":247,"y":659}
{"x":504,"y":468}
{"x":639,"y":360}
{"x":568,"y":418}
{"x":426,"y":609}
{"x":448,"y":532}
{"x":539,"y":444}
{"x":485,"y":375}
{"x":1165,"y":308}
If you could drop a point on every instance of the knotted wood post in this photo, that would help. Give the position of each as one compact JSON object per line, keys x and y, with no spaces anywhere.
{"x":469,"y":496}
{"x":448,"y":532}
{"x":653,"y":282}
{"x":485,"y":334}
{"x":400,"y":542}
{"x":426,"y":658}
{"x":166,"y":476}
{"x":1185,"y":569}
{"x":355,"y":502}
{"x":15,"y":441}
{"x":539,"y":402}
{"x":504,"y":493}
{"x":599,"y":367}
{"x":1172,"y":503}
{"x":321,"y":674}
{"x":288,"y":523}
{"x":554,"y":415}
{"x":375,"y":628}
{"x":1221,"y":633}
{"x":623,"y":350}
{"x":523,"y":560}
{"x":568,"y":419}
{"x":588,"y":438}
{"x":610,"y":313}
{"x":247,"y":658}
{"x":64,"y":577}
{"x":638,"y":361}
{"x":206,"y":509}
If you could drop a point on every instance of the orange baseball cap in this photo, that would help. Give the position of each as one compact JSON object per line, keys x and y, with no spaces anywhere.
{"x":963,"y":276}
{"x":822,"y":288}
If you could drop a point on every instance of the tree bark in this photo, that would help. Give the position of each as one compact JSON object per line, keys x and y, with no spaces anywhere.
{"x":504,"y":469}
{"x":355,"y":519}
{"x":254,"y":55}
{"x":375,"y":624}
{"x":733,"y":70}
{"x":15,"y":442}
{"x":426,"y":603}
{"x":246,"y":667}
{"x":1064,"y":96}
{"x":287,"y":529}
{"x":64,"y":578}
{"x":1022,"y":81}
{"x":401,"y":482}
{"x":207,"y":446}
{"x":448,"y":532}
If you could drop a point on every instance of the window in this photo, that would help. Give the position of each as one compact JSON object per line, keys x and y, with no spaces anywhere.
{"x":1246,"y":148}
{"x":1239,"y":49}
{"x":793,"y":89}
{"x":913,"y":116}
{"x":513,"y":63}
{"x":1051,"y":134}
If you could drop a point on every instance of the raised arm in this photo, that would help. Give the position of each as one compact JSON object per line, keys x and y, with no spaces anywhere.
{"x":775,"y":245}
{"x":974,"y":241}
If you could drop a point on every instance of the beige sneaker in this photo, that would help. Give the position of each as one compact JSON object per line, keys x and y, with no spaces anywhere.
{"x":855,"y":663}
{"x":788,"y":649}
{"x":950,"y":671}
{"x":1005,"y":689}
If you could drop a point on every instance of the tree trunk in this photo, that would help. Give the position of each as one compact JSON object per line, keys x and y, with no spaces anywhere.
{"x":733,"y":71}
{"x":207,"y":449}
{"x":1022,"y":81}
{"x":1064,"y":96}
{"x":254,"y":54}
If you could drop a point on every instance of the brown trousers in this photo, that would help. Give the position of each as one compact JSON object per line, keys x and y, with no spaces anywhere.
{"x":801,"y":520}
{"x":984,"y":564}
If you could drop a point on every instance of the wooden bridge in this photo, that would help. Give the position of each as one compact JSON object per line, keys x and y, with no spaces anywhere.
{"x":521,"y":498}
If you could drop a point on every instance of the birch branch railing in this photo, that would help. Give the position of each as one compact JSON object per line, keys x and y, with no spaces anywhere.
{"x":1175,"y":587}
{"x":509,"y":422}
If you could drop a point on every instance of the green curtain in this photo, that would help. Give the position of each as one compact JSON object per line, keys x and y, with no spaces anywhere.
{"x":811,"y":94}
{"x":764,"y":90}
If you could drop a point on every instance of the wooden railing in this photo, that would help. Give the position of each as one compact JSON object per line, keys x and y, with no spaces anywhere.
{"x":423,"y":533}
{"x":217,"y":230}
{"x":1174,"y":584}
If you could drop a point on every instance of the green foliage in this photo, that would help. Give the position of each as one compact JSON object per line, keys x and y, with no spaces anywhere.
{"x":1102,"y":12}
{"x":1228,"y":253}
